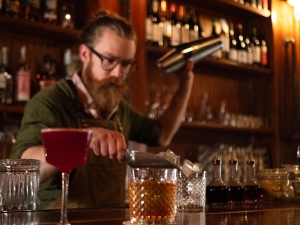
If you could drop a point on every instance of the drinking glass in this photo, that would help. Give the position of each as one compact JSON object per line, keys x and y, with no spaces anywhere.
{"x":66,"y":149}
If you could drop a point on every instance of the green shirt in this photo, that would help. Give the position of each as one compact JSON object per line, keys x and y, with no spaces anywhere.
{"x":101,"y":181}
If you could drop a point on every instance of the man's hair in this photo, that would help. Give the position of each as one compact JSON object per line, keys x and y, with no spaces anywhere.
{"x":106,"y":20}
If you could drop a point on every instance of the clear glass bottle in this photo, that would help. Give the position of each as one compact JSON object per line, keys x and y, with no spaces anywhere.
{"x":236,"y":188}
{"x":217,"y":190}
{"x":253,"y":190}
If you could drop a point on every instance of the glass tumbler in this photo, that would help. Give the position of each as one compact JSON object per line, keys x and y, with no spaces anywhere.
{"x":152,"y":195}
{"x":191,"y":192}
{"x":19,"y":184}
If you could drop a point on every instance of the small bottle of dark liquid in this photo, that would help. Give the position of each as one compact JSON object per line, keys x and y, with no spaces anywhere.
{"x":236,"y":188}
{"x":253,"y":190}
{"x":217,"y":190}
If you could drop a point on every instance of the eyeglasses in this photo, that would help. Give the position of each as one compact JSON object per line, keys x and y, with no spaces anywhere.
{"x":108,"y":64}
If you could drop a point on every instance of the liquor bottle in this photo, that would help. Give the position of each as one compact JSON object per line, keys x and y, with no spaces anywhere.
{"x":68,"y":70}
{"x":264,"y":53}
{"x":31,"y":9}
{"x":253,"y":190}
{"x":249,"y":50}
{"x":241,"y":45}
{"x":256,"y":48}
{"x":193,"y":28}
{"x":247,"y":2}
{"x":259,"y":4}
{"x":12,"y":8}
{"x":50,"y":11}
{"x":201,"y":33}
{"x":214,"y":33}
{"x":254,"y":3}
{"x":265,"y":4}
{"x":217,"y":191}
{"x":2,"y":80}
{"x":176,"y":27}
{"x":148,"y":23}
{"x":236,"y":188}
{"x":166,"y":23}
{"x":185,"y":32}
{"x":224,"y":35}
{"x":232,"y":44}
{"x":23,"y":79}
{"x":9,"y":90}
{"x":157,"y":25}
{"x":67,"y":15}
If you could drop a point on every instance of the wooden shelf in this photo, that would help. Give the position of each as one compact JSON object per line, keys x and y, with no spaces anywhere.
{"x":12,"y":109}
{"x":219,"y":127}
{"x":228,"y":7}
{"x":35,"y":29}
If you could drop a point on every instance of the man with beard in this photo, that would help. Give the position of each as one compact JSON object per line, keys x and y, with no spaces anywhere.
{"x":93,"y":98}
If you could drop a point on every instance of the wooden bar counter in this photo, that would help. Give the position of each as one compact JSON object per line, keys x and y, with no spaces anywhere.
{"x":277,"y":213}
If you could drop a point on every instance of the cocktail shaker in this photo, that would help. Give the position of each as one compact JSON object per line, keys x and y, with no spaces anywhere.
{"x":194,"y":50}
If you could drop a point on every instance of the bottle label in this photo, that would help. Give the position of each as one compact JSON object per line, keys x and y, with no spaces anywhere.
{"x":250,"y":58}
{"x":148,"y":26}
{"x":158,"y":32}
{"x":233,"y":54}
{"x":2,"y":81}
{"x":225,"y":41}
{"x":175,"y":38}
{"x":185,"y":34}
{"x":256,"y":54}
{"x":264,"y":55}
{"x":23,"y":90}
{"x":242,"y":56}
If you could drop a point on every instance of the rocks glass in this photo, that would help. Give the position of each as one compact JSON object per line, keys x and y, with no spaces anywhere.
{"x":152,"y":195}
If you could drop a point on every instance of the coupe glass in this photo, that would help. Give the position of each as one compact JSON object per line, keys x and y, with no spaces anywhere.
{"x":66,"y":149}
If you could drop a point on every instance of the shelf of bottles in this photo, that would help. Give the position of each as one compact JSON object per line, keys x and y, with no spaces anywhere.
{"x":244,"y":52}
{"x":169,"y":24}
{"x":34,"y":19}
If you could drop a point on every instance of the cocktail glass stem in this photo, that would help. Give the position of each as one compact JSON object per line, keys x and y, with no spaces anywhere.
{"x":64,"y":199}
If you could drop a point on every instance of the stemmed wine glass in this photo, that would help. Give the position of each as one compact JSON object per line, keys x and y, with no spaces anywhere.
{"x":66,"y":149}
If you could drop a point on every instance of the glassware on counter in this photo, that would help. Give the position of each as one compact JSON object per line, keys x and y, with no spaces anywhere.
{"x":217,"y":190}
{"x":275,"y":184}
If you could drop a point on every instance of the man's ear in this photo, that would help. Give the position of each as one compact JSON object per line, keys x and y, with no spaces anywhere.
{"x":84,"y":53}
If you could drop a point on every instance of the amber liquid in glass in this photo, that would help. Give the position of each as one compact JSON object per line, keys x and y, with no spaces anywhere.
{"x":152,"y":200}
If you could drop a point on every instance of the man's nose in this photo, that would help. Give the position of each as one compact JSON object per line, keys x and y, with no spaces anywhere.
{"x":117,"y":71}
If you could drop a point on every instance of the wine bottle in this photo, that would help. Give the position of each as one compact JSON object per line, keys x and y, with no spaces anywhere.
{"x":12,"y":8}
{"x":176,"y":27}
{"x":157,"y":25}
{"x":201,"y":33}
{"x":23,"y":79}
{"x":249,"y":50}
{"x":225,"y":40}
{"x":256,"y":48}
{"x":193,"y":29}
{"x":185,"y":33}
{"x":2,"y":80}
{"x":9,"y":82}
{"x":264,"y":53}
{"x":31,"y":9}
{"x":148,"y":23}
{"x":50,"y":11}
{"x":214,"y":33}
{"x":241,"y":46}
{"x":166,"y":23}
{"x":195,"y":51}
{"x":232,"y":43}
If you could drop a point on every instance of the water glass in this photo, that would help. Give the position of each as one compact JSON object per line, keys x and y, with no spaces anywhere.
{"x":19,"y":184}
{"x":152,"y":195}
{"x":191,"y":192}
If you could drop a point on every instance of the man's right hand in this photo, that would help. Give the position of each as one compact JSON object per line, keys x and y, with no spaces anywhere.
{"x":108,"y":143}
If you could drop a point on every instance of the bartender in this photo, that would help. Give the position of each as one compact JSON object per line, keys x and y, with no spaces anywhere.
{"x":94,"y":98}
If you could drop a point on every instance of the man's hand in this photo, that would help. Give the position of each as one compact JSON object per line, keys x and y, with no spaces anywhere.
{"x":108,"y":143}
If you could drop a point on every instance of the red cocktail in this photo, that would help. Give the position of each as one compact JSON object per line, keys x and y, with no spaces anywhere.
{"x":66,"y":149}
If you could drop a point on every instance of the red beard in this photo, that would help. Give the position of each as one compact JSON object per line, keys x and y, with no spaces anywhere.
{"x":106,"y":93}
